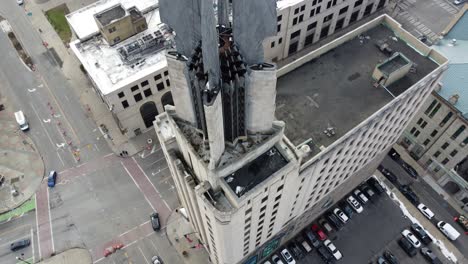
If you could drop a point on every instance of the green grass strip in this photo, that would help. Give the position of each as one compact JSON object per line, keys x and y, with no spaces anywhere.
{"x":28,"y":206}
{"x":58,"y":21}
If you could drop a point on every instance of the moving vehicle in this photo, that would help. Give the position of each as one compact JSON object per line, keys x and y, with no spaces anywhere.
{"x":287,"y":256}
{"x":21,"y":120}
{"x":52,"y":178}
{"x":425,"y":211}
{"x":313,"y":238}
{"x":430,"y":256}
{"x":342,"y":216}
{"x":375,"y":184}
{"x":321,"y":235}
{"x":276,"y":259}
{"x":407,"y":247}
{"x":156,"y":260}
{"x":155,"y":223}
{"x":381,"y":260}
{"x":410,"y":170}
{"x":462,"y":221}
{"x":390,"y":257}
{"x":354,"y":204}
{"x":325,"y":225}
{"x":411,"y":238}
{"x":448,"y":230}
{"x":20,"y":244}
{"x":331,"y":247}
{"x":361,"y":197}
{"x":421,"y":233}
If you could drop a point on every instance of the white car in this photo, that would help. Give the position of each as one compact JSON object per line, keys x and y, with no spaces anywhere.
{"x":361,"y":196}
{"x":342,"y":216}
{"x":331,"y":247}
{"x":276,"y":259}
{"x":156,"y":260}
{"x":411,"y":238}
{"x":19,"y":2}
{"x":287,"y":256}
{"x":459,"y":2}
{"x":354,"y":204}
{"x":425,"y":211}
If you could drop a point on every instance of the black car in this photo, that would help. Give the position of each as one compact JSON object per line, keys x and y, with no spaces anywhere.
{"x":393,"y":154}
{"x":313,"y":238}
{"x":409,"y":194}
{"x":20,"y":244}
{"x":430,"y":256}
{"x":326,"y":255}
{"x":296,"y":250}
{"x":407,"y":247}
{"x":367,"y":191}
{"x":155,"y":221}
{"x":410,"y":170}
{"x":374,"y":183}
{"x":421,"y":234}
{"x":388,"y":174}
{"x":390,"y":257}
{"x":346,"y":208}
{"x":334,"y":221}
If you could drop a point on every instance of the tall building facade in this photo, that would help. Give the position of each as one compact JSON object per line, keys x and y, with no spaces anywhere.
{"x":248,"y":181}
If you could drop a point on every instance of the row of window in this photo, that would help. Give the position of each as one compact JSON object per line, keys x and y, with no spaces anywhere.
{"x":137,"y":95}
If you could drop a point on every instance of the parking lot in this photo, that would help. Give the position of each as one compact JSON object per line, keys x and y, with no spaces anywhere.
{"x":368,"y":234}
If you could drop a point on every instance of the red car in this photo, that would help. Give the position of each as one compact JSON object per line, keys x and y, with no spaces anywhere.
{"x":319,"y":232}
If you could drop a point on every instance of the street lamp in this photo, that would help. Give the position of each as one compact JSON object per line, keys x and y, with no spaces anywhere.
{"x":22,"y":260}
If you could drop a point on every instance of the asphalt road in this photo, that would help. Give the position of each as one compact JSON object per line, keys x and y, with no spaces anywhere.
{"x":21,"y":228}
{"x":442,"y":210}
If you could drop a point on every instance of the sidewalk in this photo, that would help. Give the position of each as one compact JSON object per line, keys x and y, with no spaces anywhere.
{"x":94,"y":108}
{"x":70,"y":256}
{"x":183,"y":238}
{"x":428,"y":178}
{"x":21,"y":166}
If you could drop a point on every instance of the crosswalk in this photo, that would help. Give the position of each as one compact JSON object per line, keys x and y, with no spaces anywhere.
{"x":419,"y":27}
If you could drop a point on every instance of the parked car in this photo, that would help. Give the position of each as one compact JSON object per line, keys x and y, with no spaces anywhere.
{"x":367,"y":190}
{"x":425,"y":211}
{"x":325,"y":225}
{"x":331,"y":247}
{"x":52,"y":179}
{"x":361,"y":197}
{"x":459,"y":2}
{"x":321,"y":235}
{"x":19,"y":2}
{"x":276,"y":259}
{"x":410,"y":170}
{"x":303,"y":243}
{"x":155,"y":223}
{"x":20,"y":244}
{"x":407,"y":247}
{"x":390,"y":257}
{"x":411,"y":238}
{"x":409,"y":194}
{"x":335,"y":221}
{"x":295,"y":250}
{"x":430,"y":256}
{"x":462,"y":221}
{"x":267,"y":262}
{"x":156,"y":260}
{"x":313,"y":238}
{"x":393,"y":154}
{"x":375,"y":184}
{"x":421,"y":233}
{"x":448,"y":230}
{"x":342,"y":216}
{"x":381,"y":260}
{"x":287,"y":256}
{"x":325,"y":254}
{"x":388,"y":174}
{"x":354,"y":204}
{"x":346,"y":208}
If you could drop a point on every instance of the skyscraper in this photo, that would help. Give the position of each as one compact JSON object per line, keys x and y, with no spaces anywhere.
{"x":246,"y":186}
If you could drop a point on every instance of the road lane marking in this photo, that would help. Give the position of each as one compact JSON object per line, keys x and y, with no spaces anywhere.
{"x":124,"y":233}
{"x":156,"y":161}
{"x":37,"y":228}
{"x":141,"y":251}
{"x":152,"y":243}
{"x":48,"y":135}
{"x":144,"y":173}
{"x":32,"y":242}
{"x":14,"y":229}
{"x":131,"y":243}
{"x":138,"y":186}
{"x":50,"y":223}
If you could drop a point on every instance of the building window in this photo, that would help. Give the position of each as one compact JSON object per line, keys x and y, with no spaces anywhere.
{"x":453,"y":153}
{"x":318,"y":10}
{"x":445,"y":161}
{"x":168,"y":83}
{"x":343,"y":10}
{"x":134,"y":88}
{"x":328,"y":18}
{"x":419,"y":121}
{"x":157,"y":77}
{"x":416,"y":134}
{"x":465,"y":142}
{"x":426,"y":142}
{"x":445,"y":145}
{"x":301,"y":18}
{"x":160,"y":86}
{"x":112,"y":29}
{"x":434,"y":133}
{"x":295,"y":34}
{"x":145,"y":83}
{"x":329,"y":4}
{"x":358,"y":3}
{"x":125,"y":104}
{"x":434,"y":102}
{"x":458,"y":132}
{"x":312,"y":12}
{"x":138,"y":97}
{"x":423,"y":125}
{"x":121,"y":94}
{"x":280,"y":17}
{"x":413,"y":130}
{"x":437,"y":154}
{"x":446,"y":119}
{"x":148,"y":92}
{"x":117,"y":39}
{"x":273,"y":44}
{"x":436,"y":109}
{"x":278,"y":28}
{"x":296,"y":11}
{"x":294,"y":21}
{"x":302,"y":8}
{"x":312,"y":26}
{"x":166,"y":73}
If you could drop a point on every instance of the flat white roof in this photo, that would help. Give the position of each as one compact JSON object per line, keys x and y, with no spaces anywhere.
{"x":106,"y":67}
{"x":280,"y":4}
{"x":82,"y":20}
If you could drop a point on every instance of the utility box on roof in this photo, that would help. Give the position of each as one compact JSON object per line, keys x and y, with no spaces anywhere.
{"x":392,"y":69}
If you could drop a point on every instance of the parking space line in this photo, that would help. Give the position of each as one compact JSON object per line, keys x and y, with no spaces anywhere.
{"x":141,"y":251}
